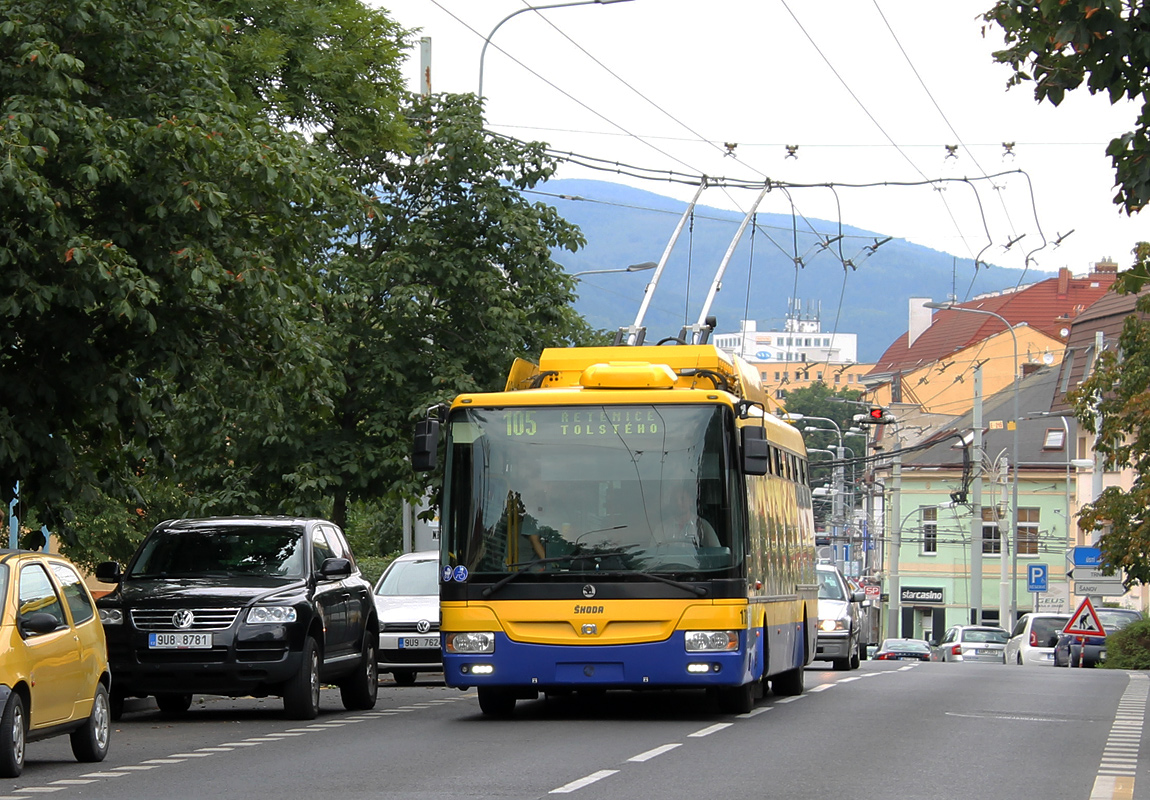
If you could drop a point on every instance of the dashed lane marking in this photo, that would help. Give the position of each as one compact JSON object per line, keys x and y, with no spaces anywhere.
{"x":658,"y":751}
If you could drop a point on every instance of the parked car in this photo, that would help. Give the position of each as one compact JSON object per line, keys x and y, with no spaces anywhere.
{"x":1033,"y":638}
{"x":903,"y":650}
{"x":985,"y":643}
{"x":240,"y":606}
{"x":407,"y":602}
{"x":839,"y":630}
{"x":54,"y":675}
{"x":1074,"y":649}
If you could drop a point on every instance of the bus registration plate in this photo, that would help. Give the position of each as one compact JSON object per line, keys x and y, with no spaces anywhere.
{"x":179,"y":641}
{"x":419,"y":643}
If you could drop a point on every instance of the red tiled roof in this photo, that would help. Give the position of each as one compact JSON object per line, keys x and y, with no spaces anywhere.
{"x":1047,"y":306}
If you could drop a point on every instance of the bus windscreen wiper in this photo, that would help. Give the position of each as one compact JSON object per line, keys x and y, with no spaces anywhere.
{"x":573,"y":556}
{"x":699,"y":591}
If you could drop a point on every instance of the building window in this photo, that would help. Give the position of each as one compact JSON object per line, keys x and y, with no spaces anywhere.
{"x":1055,"y":439}
{"x":991,"y":537}
{"x":851,"y":378}
{"x":776,"y":376}
{"x":820,"y":376}
{"x":838,"y":377}
{"x":763,"y":375}
{"x":929,"y":530}
{"x":1028,"y":531}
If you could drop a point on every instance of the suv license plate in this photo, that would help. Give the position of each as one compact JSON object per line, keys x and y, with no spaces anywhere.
{"x":179,"y":641}
{"x":419,"y":643}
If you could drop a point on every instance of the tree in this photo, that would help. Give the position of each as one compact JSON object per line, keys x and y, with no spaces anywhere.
{"x":820,"y":400}
{"x":158,"y":213}
{"x":1118,"y":393}
{"x":1059,"y":44}
{"x":435,"y":292}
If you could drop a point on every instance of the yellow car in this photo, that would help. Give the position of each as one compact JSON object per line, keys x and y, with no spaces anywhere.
{"x":53,"y":661}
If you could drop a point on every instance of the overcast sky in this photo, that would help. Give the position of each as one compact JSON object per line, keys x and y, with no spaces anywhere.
{"x":870,"y":91}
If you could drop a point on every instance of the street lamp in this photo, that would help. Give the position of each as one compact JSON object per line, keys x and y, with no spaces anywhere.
{"x":1014,"y":482}
{"x":632,"y":268}
{"x":487,"y":41}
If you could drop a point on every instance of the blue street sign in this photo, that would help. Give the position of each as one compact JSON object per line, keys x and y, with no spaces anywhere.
{"x":1087,"y":556}
{"x":1037,"y":577}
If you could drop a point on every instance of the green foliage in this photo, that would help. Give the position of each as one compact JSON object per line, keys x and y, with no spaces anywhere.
{"x":820,"y":400}
{"x":1129,"y":648}
{"x":154,"y":219}
{"x":1060,"y":44}
{"x":1119,"y":390}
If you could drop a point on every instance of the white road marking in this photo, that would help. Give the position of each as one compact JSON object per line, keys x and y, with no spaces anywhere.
{"x":710,"y":729}
{"x":658,"y":751}
{"x":579,"y":784}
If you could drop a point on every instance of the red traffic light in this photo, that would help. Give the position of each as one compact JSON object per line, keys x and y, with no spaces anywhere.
{"x":874,"y":416}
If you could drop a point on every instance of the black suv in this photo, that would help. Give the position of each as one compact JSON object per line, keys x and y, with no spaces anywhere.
{"x":241,"y":606}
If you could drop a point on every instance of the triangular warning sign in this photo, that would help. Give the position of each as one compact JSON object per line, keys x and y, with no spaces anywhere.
{"x":1085,"y":621}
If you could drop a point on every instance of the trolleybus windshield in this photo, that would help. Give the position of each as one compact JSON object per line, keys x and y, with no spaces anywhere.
{"x":621,"y":489}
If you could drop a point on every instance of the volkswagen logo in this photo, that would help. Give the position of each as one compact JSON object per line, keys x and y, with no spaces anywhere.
{"x":183,"y":618}
{"x":423,"y":626}
{"x":588,"y":591}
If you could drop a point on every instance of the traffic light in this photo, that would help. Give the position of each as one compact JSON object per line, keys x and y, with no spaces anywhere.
{"x":874,"y":416}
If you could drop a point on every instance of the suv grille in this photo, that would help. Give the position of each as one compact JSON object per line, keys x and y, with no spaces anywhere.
{"x":203,"y":619}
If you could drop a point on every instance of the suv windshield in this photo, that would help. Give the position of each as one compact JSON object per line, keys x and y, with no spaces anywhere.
{"x":625,"y":489}
{"x":223,"y":550}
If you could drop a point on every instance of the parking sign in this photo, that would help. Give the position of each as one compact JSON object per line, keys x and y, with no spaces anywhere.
{"x":1037,"y":577}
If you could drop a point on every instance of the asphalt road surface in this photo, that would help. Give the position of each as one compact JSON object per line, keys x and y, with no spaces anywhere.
{"x":890,"y":730}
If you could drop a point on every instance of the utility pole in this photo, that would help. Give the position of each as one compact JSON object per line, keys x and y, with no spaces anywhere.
{"x":976,"y":505}
{"x":894,"y":599}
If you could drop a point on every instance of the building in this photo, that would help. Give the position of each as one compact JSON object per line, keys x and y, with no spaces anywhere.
{"x":799,"y":355}
{"x":930,"y":363}
{"x":933,"y":536}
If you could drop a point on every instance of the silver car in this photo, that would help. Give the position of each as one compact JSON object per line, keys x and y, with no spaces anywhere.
{"x":985,"y":643}
{"x":407,"y":603}
{"x":839,"y":631}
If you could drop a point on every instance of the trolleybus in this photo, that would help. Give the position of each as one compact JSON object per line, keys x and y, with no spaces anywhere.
{"x":626,"y":517}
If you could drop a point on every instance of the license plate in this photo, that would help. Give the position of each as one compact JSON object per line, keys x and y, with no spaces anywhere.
{"x":419,"y":643}
{"x":984,"y":652}
{"x":179,"y":641}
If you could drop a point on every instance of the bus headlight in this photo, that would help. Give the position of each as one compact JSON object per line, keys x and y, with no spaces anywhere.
{"x":828,"y":625}
{"x":469,"y":642}
{"x":711,"y":641}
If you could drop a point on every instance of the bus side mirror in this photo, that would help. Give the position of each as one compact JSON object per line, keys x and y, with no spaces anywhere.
{"x":423,"y":458}
{"x":756,"y":453}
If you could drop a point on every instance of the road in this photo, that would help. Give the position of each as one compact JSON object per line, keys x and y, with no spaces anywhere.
{"x":889,"y":729}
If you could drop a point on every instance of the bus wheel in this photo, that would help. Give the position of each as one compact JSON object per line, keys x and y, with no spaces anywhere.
{"x":496,"y":702}
{"x":789,"y":683}
{"x":737,"y":699}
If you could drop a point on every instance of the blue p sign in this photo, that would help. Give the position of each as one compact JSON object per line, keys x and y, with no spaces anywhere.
{"x":1037,"y":577}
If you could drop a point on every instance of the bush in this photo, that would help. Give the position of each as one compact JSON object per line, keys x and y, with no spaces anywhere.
{"x":373,"y":566}
{"x":1129,"y":648}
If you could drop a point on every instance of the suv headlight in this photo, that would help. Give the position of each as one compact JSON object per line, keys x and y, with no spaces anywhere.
{"x":470,"y":643}
{"x":711,"y":641}
{"x":111,"y":616}
{"x":258,"y":615}
{"x":829,"y":625}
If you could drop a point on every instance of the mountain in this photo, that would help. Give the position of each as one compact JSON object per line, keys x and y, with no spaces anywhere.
{"x":624,"y":225}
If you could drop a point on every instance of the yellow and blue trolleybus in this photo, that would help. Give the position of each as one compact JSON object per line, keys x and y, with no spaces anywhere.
{"x":624,"y":518}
